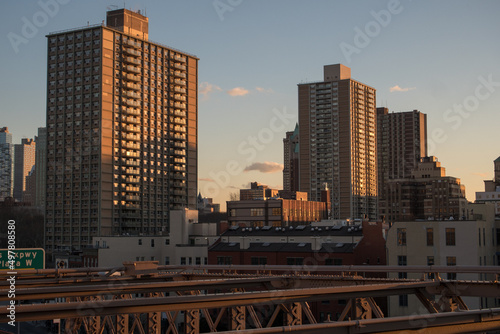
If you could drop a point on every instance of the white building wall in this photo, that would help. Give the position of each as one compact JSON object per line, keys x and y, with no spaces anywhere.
{"x":187,"y":243}
{"x":473,"y":244}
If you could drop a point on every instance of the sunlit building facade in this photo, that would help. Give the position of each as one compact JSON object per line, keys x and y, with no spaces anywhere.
{"x":338,"y":143}
{"x":24,"y":160}
{"x":41,"y":167}
{"x":121,"y":132}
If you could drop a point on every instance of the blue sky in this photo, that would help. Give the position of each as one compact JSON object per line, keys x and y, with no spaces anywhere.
{"x":439,"y":57}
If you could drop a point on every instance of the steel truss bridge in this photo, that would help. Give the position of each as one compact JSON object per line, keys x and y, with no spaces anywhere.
{"x":142,"y":297}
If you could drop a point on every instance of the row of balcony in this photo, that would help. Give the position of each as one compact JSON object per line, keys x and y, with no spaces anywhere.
{"x":131,"y":94}
{"x":133,"y":86}
{"x":130,"y":68}
{"x":177,"y":120}
{"x":130,"y":119}
{"x":131,"y":154}
{"x":131,"y":145}
{"x":131,"y":111}
{"x":131,"y":162}
{"x":132,"y":60}
{"x":132,"y":52}
{"x":131,"y":128}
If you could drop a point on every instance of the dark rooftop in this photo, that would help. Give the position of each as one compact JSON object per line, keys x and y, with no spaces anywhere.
{"x":301,"y":230}
{"x":283,"y":247}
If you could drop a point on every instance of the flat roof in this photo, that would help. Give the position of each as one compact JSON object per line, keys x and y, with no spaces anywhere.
{"x":301,"y":230}
{"x":290,"y":247}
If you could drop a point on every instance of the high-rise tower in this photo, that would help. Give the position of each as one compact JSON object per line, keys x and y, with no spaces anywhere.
{"x":121,"y":132}
{"x":291,"y":160}
{"x":6,"y":164}
{"x":338,"y":142}
{"x":402,"y":142}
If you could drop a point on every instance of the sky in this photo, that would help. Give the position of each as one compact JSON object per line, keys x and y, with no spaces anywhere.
{"x":439,"y":57}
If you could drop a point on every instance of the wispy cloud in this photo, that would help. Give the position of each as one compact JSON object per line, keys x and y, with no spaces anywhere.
{"x":206,"y":88}
{"x":483,"y":175}
{"x":264,"y":90}
{"x":206,"y":179}
{"x":265,"y":167}
{"x":400,"y":89}
{"x":238,"y":91}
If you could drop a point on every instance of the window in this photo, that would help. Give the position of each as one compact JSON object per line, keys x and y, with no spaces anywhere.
{"x":183,"y":260}
{"x":276,"y":212}
{"x":198,"y":261}
{"x":224,"y":260}
{"x":256,"y":212}
{"x":152,"y":242}
{"x":451,"y":261}
{"x":430,"y":236}
{"x":403,"y":300}
{"x":333,"y":262}
{"x":139,"y":242}
{"x":258,"y":260}
{"x":167,"y":241}
{"x":401,"y":237}
{"x":402,"y":261}
{"x":498,"y":236}
{"x":167,"y":260}
{"x":294,"y":261}
{"x":450,"y":237}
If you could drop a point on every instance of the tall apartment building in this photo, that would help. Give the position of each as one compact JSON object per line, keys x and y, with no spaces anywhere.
{"x":338,"y":142}
{"x":6,"y":164}
{"x":401,"y":142}
{"x":121,"y":132}
{"x":291,"y":160}
{"x":23,"y":163}
{"x":41,"y":167}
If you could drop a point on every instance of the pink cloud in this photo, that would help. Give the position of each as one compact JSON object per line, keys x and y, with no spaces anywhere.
{"x":238,"y":91}
{"x":399,"y":89}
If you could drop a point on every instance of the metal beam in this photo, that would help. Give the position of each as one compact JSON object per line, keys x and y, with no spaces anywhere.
{"x":189,"y":302}
{"x":176,"y":269}
{"x":453,"y":322}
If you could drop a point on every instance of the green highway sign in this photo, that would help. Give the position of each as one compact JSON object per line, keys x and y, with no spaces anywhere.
{"x":24,"y":258}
